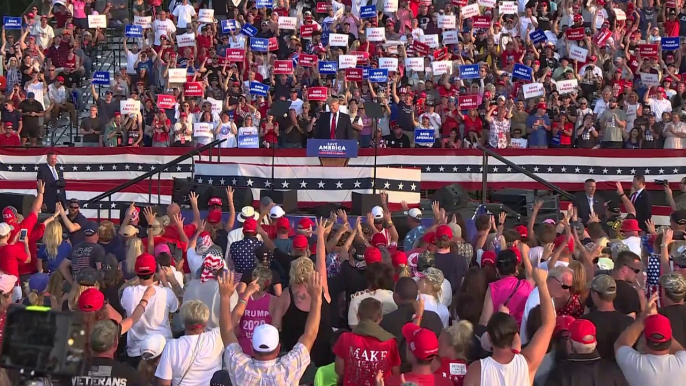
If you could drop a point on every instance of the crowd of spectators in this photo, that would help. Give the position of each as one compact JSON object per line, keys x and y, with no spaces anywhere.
{"x":586,"y":74}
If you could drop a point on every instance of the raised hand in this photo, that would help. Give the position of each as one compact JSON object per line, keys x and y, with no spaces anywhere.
{"x":194,"y":198}
{"x":226,"y":284}
{"x":149,"y":215}
{"x":40,"y":188}
{"x":229,"y":194}
{"x":314,"y":284}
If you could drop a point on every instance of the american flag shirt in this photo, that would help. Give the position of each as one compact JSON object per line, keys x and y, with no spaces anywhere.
{"x":653,"y":277}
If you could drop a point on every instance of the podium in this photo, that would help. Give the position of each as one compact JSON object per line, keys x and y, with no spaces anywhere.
{"x":332,"y":152}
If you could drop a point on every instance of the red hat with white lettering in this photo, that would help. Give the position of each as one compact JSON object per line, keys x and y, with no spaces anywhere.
{"x":422,"y":342}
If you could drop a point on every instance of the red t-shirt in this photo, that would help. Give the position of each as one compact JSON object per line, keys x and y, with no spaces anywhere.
{"x":453,"y":369}
{"x":28,"y":223}
{"x":30,"y":267}
{"x":364,"y":356}
{"x":10,"y":258}
{"x":565,"y":139}
{"x":472,"y":125}
{"x":671,"y":28}
{"x":11,"y":140}
{"x":420,"y":379}
{"x":171,"y":232}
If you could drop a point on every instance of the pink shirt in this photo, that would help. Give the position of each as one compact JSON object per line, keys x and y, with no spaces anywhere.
{"x":79,"y":9}
{"x":503,"y":288}
{"x":256,"y":313}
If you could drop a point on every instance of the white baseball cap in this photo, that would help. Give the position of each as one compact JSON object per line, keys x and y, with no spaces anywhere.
{"x":5,"y":229}
{"x":276,"y":212}
{"x":415,"y":213}
{"x":265,"y":338}
{"x":377,"y":212}
{"x":152,"y":346}
{"x":246,"y":213}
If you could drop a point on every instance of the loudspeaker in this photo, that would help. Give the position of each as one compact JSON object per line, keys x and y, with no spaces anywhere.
{"x":184,"y":186}
{"x":21,"y":202}
{"x":326,"y":209}
{"x":286,"y":199}
{"x":363,"y":203}
{"x":513,"y":198}
{"x":450,"y":197}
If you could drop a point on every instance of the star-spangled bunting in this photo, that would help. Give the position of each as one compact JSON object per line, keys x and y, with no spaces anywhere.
{"x":551,"y":169}
{"x":98,"y":167}
{"x":395,"y":185}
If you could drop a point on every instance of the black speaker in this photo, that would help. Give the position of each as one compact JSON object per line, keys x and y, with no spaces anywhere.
{"x":450,"y":197}
{"x":326,"y":209}
{"x":363,"y":203}
{"x":21,"y":202}
{"x":286,"y":199}
{"x":184,"y":186}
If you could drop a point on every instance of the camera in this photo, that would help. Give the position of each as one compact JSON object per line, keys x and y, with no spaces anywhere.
{"x":662,"y":182}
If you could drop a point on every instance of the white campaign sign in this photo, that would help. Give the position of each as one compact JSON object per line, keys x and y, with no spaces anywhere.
{"x":442,"y":67}
{"x":414,"y":64}
{"x":338,"y":40}
{"x":206,"y":15}
{"x":391,"y":64}
{"x":129,"y":106}
{"x":390,"y":5}
{"x":374,"y":34}
{"x":508,"y":8}
{"x":347,"y":61}
{"x":143,"y":21}
{"x":203,"y":129}
{"x":619,"y":14}
{"x":97,"y":21}
{"x":430,"y":40}
{"x":216,"y":105}
{"x":450,"y":37}
{"x":185,"y":40}
{"x":470,"y":10}
{"x":391,"y":46}
{"x":286,"y":22}
{"x":518,"y":143}
{"x":533,"y":90}
{"x":177,"y":75}
{"x":487,"y":3}
{"x":577,"y":53}
{"x":650,"y":79}
{"x":567,"y":86}
{"x":446,"y":21}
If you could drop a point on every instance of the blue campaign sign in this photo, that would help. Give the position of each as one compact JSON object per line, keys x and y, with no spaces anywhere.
{"x":424,"y":137}
{"x":248,"y":141}
{"x":669,"y":44}
{"x":102,"y":78}
{"x":378,"y":75}
{"x":259,"y":45}
{"x":367,"y":11}
{"x":229,"y":26}
{"x":257,"y":88}
{"x":537,"y":36}
{"x":10,"y":22}
{"x":365,"y":72}
{"x":264,"y":4}
{"x":249,"y":30}
{"x":332,"y":148}
{"x":328,"y":67}
{"x":134,"y":31}
{"x":522,"y":72}
{"x":469,"y":71}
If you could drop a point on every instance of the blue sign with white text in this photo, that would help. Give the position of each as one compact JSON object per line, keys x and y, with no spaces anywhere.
{"x":249,"y":30}
{"x":259,"y":45}
{"x":229,"y":26}
{"x":332,"y":148}
{"x":365,"y":72}
{"x":101,"y":77}
{"x":328,"y":67}
{"x":257,"y":88}
{"x":264,"y":4}
{"x":424,"y":137}
{"x":248,"y":141}
{"x":367,"y":11}
{"x":470,"y":71}
{"x":537,"y":36}
{"x":378,"y":75}
{"x":10,"y":22}
{"x":522,"y":72}
{"x":134,"y":31}
{"x":669,"y":44}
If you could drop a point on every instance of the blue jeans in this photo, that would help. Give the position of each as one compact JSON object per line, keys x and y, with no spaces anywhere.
{"x":365,"y":140}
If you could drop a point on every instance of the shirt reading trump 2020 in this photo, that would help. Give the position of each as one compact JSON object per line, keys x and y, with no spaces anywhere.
{"x":108,"y":372}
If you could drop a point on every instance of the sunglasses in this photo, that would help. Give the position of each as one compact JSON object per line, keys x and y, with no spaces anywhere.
{"x":564,"y":286}
{"x":636,"y":270}
{"x":74,"y":207}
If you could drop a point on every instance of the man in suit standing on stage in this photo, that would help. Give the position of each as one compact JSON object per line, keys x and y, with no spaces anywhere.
{"x":334,"y":124}
{"x":588,"y":203}
{"x":53,"y":178}
{"x":641,"y":200}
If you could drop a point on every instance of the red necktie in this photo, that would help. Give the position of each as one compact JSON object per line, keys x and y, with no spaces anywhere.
{"x":333,"y":126}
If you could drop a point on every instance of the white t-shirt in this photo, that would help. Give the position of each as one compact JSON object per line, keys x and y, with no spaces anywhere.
{"x":130,"y":61}
{"x":43,"y":36}
{"x":647,"y":369}
{"x":155,"y":320}
{"x":297,"y":105}
{"x":634,"y":244}
{"x":184,"y":14}
{"x":200,"y":354}
{"x":430,"y":304}
{"x":160,"y":27}
{"x":532,"y":301}
{"x":384,"y":296}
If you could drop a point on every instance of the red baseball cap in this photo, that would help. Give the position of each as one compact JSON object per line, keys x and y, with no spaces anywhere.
{"x":541,"y":106}
{"x":657,"y":329}
{"x":305,"y":223}
{"x":215,"y":216}
{"x":283,"y":223}
{"x":583,"y":331}
{"x":215,"y":201}
{"x":250,"y":225}
{"x":444,"y":230}
{"x":145,"y":264}
{"x":91,"y":300}
{"x":422,"y":342}
{"x":488,"y":258}
{"x":300,"y":242}
{"x":559,"y":240}
{"x":372,"y":255}
{"x":379,"y":239}
{"x":60,"y":78}
{"x":399,"y":258}
{"x":429,"y":237}
{"x":562,"y":323}
{"x":522,"y":230}
{"x":9,"y":214}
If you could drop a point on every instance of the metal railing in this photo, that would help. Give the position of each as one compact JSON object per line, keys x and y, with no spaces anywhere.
{"x":149,"y":176}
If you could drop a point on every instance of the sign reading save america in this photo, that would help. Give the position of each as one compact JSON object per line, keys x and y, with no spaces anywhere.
{"x":283,"y":67}
{"x":317,"y":93}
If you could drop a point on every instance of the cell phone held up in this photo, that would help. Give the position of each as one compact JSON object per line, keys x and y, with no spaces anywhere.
{"x":22,"y":234}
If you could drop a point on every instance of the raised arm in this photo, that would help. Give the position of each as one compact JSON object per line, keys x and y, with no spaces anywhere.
{"x":226,"y":288}
{"x":315,"y":286}
{"x":320,"y":261}
{"x":538,"y":346}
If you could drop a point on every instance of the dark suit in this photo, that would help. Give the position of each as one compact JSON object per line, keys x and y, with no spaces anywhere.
{"x":344,"y":127}
{"x":54,"y":188}
{"x":584,"y":208}
{"x":644,"y":209}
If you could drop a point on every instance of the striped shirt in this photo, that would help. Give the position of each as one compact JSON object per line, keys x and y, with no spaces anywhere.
{"x":283,"y":371}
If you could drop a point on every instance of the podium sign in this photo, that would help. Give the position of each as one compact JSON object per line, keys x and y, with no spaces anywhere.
{"x":332,"y":148}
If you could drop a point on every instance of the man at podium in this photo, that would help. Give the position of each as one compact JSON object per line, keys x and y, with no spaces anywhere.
{"x":334,"y":124}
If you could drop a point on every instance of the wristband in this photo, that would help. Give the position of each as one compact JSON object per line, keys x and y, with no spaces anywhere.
{"x":243,"y":301}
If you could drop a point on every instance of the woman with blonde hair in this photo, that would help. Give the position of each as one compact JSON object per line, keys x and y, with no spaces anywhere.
{"x":56,"y":284}
{"x":134,"y":248}
{"x":36,"y":291}
{"x":454,"y":346}
{"x":85,"y":279}
{"x":430,"y":290}
{"x":54,"y":248}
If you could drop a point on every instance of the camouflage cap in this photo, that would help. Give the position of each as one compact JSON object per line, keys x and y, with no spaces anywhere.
{"x":673,"y":283}
{"x":434,"y":274}
{"x":616,"y":247}
{"x":604,"y":284}
{"x":425,"y":260}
